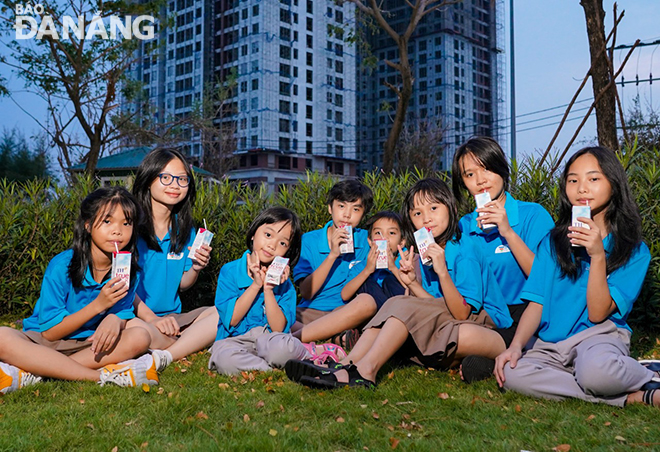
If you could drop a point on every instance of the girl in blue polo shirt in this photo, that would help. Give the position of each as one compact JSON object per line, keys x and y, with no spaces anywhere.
{"x":79,"y":326}
{"x":165,"y":188}
{"x":582,"y":287}
{"x":505,"y":230}
{"x":255,"y":316}
{"x":456,"y":289}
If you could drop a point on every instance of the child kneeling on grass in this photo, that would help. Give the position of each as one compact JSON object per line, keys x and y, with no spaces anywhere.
{"x":78,"y":328}
{"x":255,"y":317}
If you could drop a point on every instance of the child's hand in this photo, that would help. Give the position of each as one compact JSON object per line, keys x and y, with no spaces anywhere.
{"x":113,"y":291}
{"x":284,"y":277}
{"x":106,"y":335}
{"x":167,"y":325}
{"x":285,"y":274}
{"x":510,"y":355}
{"x":255,"y":270}
{"x":437,"y":255}
{"x":494,"y":213}
{"x":391,"y":260}
{"x":590,"y":239}
{"x":372,"y":257}
{"x":202,"y":257}
{"x":338,"y":237}
{"x":406,"y":267}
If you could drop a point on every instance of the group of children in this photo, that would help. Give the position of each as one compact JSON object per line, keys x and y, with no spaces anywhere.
{"x":501,"y":290}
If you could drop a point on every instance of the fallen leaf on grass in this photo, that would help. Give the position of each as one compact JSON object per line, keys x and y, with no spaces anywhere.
{"x":363,"y":406}
{"x":591,"y":417}
{"x":91,"y":426}
{"x":390,"y":375}
{"x":246,"y":418}
{"x":620,"y":439}
{"x":82,"y":401}
{"x":272,"y":432}
{"x":394,"y":442}
{"x":340,"y":419}
{"x":390,"y":428}
{"x":261,"y":404}
{"x":160,"y":391}
{"x":375,"y":415}
{"x":130,"y":423}
{"x":385,"y":401}
{"x":36,"y":393}
{"x":518,"y":409}
{"x":607,"y":424}
{"x":223,"y":385}
{"x":201,"y":415}
{"x":270,"y":389}
{"x":443,"y":395}
{"x":282,"y":408}
{"x":114,"y":449}
{"x":562,"y":448}
{"x":144,"y":445}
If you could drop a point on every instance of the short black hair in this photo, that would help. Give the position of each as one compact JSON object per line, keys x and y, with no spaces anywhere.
{"x":274,"y":215}
{"x":351,"y":191}
{"x":487,"y":152}
{"x":384,"y":214}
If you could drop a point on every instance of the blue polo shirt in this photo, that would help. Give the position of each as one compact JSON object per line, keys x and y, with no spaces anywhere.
{"x":314,"y":250}
{"x":162,"y":273}
{"x":564,"y":301}
{"x":530,"y":221}
{"x":473,"y":280}
{"x":232,"y":282}
{"x":60,"y":299}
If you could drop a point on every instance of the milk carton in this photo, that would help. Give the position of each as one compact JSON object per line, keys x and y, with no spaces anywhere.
{"x":424,"y":239}
{"x":275,"y":270}
{"x":121,"y":266}
{"x":381,"y":260}
{"x":203,"y":237}
{"x":577,"y":212}
{"x":349,"y":246}
{"x":482,"y":199}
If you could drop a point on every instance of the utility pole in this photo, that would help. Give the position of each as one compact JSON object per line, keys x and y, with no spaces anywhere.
{"x":512,"y":67}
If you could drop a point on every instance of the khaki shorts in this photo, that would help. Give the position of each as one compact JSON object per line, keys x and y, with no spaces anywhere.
{"x":65,"y":346}
{"x":186,"y":319}
{"x":308,"y":315}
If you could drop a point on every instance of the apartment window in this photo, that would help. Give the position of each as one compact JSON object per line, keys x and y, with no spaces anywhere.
{"x":339,"y":66}
{"x":285,"y":107}
{"x":309,"y":94}
{"x":310,"y":59}
{"x":285,"y":52}
{"x":285,"y":70}
{"x":285,"y":125}
{"x":309,"y":130}
{"x":285,"y":33}
{"x":328,"y":115}
{"x":339,"y":134}
{"x":285,"y":16}
{"x":310,"y":41}
{"x":254,"y":103}
{"x":310,"y":6}
{"x":310,"y":76}
{"x":309,"y":112}
{"x":255,"y":84}
{"x":255,"y":10}
{"x":339,"y":117}
{"x":310,"y":24}
{"x":243,"y":123}
{"x":328,"y":132}
{"x":254,"y":122}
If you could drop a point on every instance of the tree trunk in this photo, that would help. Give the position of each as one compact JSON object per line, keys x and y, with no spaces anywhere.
{"x":404,"y":95}
{"x":600,"y":74}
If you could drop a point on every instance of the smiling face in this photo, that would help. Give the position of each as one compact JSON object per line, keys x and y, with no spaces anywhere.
{"x":271,"y":240}
{"x":587,"y":185}
{"x":169,"y":195}
{"x":478,"y":179}
{"x":110,"y":227}
{"x":430,"y":214}
{"x":346,"y":213}
{"x":389,"y":230}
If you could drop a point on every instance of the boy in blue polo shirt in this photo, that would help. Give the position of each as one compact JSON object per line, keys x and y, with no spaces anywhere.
{"x":322,"y":270}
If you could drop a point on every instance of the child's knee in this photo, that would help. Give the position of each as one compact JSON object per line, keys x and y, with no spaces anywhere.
{"x":6,"y":338}
{"x":365,"y":305}
{"x":600,"y":377}
{"x":278,"y":348}
{"x":138,"y":339}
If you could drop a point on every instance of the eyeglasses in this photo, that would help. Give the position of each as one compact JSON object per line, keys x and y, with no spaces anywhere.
{"x":167,"y":179}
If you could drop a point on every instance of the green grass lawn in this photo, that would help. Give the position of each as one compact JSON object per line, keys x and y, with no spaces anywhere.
{"x":411,"y":409}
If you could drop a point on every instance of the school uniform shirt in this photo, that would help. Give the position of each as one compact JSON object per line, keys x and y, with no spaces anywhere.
{"x":162,"y":273}
{"x":314,"y":250}
{"x":59,"y":299}
{"x":233,"y":281}
{"x":470,"y":274}
{"x":530,"y":221}
{"x":564,"y":301}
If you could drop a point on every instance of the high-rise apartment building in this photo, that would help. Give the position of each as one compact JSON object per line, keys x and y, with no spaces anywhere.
{"x":457,"y":58}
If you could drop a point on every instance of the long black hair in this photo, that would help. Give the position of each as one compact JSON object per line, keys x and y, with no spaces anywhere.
{"x":621,"y":217}
{"x":432,"y":190}
{"x":181,"y":222}
{"x":274,"y":215}
{"x":487,"y":152}
{"x":93,"y":209}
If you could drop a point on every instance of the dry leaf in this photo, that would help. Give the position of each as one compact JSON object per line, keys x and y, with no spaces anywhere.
{"x":82,"y":401}
{"x":90,"y":426}
{"x":282,"y":408}
{"x":620,"y":439}
{"x":144,"y":445}
{"x":375,"y":415}
{"x":145,"y":387}
{"x":36,"y":393}
{"x":593,"y":416}
{"x":260,"y":404}
{"x":518,"y":409}
{"x":390,"y":428}
{"x":339,"y":419}
{"x":607,"y":424}
{"x":394,"y":442}
{"x":160,"y":391}
{"x":272,"y":432}
{"x":223,"y":386}
{"x":390,"y":375}
{"x":363,"y":406}
{"x":385,"y":401}
{"x":201,"y":415}
{"x":406,"y":416}
{"x":114,"y":449}
{"x":295,"y":429}
{"x":246,"y":418}
{"x":270,"y":389}
{"x":443,"y":395}
{"x":562,"y":448}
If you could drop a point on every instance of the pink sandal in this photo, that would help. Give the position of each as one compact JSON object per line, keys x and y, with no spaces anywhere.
{"x":332,"y":352}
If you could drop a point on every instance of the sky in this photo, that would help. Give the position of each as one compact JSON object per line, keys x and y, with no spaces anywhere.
{"x":551,"y":59}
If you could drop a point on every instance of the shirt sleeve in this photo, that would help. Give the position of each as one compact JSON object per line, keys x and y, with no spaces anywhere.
{"x":538,"y":225}
{"x":226,"y":295}
{"x":54,"y":294}
{"x":534,"y":287}
{"x":304,"y":266}
{"x":625,"y":283}
{"x":468,"y":280}
{"x":287,"y":303}
{"x":188,"y":261}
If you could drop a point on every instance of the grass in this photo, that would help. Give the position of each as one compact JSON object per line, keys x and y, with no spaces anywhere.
{"x":412,"y":409}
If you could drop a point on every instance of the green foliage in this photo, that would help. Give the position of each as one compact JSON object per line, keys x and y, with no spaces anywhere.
{"x":20,"y":160}
{"x":36,"y":221}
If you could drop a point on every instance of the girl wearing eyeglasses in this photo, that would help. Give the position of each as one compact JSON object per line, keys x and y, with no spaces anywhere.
{"x":165,"y":189}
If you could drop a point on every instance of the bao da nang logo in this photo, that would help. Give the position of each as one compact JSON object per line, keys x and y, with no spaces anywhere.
{"x":33,"y":21}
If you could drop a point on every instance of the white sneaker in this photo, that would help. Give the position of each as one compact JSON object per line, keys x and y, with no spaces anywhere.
{"x":162,"y":358}
{"x":13,"y":378}
{"x":134,"y":372}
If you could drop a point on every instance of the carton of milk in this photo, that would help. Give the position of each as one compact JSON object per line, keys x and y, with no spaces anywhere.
{"x":275,"y":270}
{"x":577,"y":212}
{"x":349,"y":246}
{"x":203,"y":237}
{"x":481,"y":200}
{"x":381,"y":260}
{"x":121,"y":266}
{"x":424,"y":239}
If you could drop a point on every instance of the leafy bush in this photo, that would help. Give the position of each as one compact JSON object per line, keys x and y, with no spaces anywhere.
{"x":36,"y":221}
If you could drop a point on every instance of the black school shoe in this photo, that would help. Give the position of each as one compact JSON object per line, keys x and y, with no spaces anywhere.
{"x":477,"y":368}
{"x":297,"y":368}
{"x":328,"y":380}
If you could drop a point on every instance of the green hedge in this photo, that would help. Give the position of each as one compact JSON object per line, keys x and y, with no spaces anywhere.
{"x":36,"y":222}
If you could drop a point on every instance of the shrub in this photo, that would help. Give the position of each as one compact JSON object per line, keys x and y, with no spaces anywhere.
{"x":36,"y":221}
